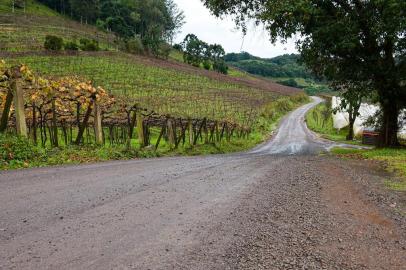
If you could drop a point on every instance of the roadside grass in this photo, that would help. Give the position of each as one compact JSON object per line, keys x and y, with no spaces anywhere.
{"x":393,"y":159}
{"x":320,"y":120}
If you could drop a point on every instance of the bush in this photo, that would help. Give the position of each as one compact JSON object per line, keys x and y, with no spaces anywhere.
{"x":178,"y":47}
{"x":71,"y":46}
{"x":89,"y":45}
{"x":53,"y":43}
{"x":220,"y":66}
{"x":134,"y":46}
{"x":289,"y":82}
{"x":164,"y":50}
{"x":15,"y":149}
{"x":207,"y":64}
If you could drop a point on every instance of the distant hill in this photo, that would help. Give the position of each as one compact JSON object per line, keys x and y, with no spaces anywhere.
{"x":284,"y":66}
{"x":285,"y":69}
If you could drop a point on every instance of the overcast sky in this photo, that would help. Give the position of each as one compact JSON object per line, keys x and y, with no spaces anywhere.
{"x":208,"y":28}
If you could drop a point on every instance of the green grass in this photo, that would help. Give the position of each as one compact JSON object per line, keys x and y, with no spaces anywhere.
{"x":320,"y":120}
{"x":31,"y":8}
{"x":394,"y":160}
{"x":25,"y":29}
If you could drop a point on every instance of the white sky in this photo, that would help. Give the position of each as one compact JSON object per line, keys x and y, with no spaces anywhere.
{"x":208,"y":28}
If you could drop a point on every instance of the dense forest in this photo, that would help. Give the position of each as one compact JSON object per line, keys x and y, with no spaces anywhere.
{"x":284,"y":66}
{"x":148,"y":21}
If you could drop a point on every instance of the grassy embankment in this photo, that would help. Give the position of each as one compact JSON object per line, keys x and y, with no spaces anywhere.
{"x":394,"y":160}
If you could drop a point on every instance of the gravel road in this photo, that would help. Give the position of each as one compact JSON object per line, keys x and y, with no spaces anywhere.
{"x":280,"y":206}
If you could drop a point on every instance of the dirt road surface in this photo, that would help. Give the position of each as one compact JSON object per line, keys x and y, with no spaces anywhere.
{"x":280,"y":206}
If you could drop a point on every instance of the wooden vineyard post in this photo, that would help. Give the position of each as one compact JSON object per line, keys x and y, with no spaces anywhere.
{"x":140,"y":128}
{"x":98,"y":124}
{"x":171,"y":134}
{"x":54,"y":124}
{"x":17,"y":89}
{"x":83,"y":125}
{"x":190,"y":127}
{"x":6,"y":111}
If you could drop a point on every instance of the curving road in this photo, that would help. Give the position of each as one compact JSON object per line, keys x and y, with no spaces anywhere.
{"x":267,"y":209}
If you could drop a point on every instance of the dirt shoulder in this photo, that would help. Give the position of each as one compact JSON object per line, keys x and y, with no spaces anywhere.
{"x":309,"y":213}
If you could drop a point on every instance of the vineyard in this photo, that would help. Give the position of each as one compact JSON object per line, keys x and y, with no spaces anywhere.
{"x":114,"y":100}
{"x":65,"y":105}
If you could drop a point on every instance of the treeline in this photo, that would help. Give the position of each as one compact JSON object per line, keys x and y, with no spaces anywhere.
{"x":199,"y":53}
{"x":142,"y":23}
{"x":284,"y":66}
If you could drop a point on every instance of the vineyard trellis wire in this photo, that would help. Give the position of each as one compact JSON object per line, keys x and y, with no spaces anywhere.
{"x":75,"y":110}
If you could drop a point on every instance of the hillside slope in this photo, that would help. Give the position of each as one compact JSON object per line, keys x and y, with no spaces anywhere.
{"x":25,"y":28}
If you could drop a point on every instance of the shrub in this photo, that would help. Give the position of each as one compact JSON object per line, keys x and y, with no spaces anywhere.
{"x":178,"y":47}
{"x":164,"y":50}
{"x":220,"y":66}
{"x":16,"y":149}
{"x":207,"y":64}
{"x":71,"y":46}
{"x":89,"y":45}
{"x":289,"y":82}
{"x":53,"y":43}
{"x":134,"y":46}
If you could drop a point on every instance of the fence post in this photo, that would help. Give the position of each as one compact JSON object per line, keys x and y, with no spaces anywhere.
{"x":6,"y":112}
{"x":98,"y":124}
{"x":54,"y":124}
{"x":140,"y":128}
{"x":171,"y":135}
{"x":190,"y":126}
{"x":17,"y":89}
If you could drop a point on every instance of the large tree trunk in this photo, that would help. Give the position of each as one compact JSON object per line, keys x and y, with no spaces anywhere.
{"x":389,"y":130}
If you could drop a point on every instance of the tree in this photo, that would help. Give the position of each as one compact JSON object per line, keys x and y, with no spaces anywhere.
{"x":193,"y":50}
{"x":343,"y":40}
{"x":352,"y":95}
{"x":177,"y":20}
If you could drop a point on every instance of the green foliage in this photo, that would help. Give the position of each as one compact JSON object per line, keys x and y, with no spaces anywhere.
{"x":289,"y":82}
{"x":53,"y":43}
{"x":314,"y":90}
{"x":16,"y":151}
{"x":178,"y":47}
{"x":164,"y":50}
{"x":320,"y":120}
{"x":197,"y":52}
{"x":154,"y":21}
{"x":71,"y":46}
{"x":89,"y":45}
{"x":344,"y":41}
{"x":134,"y":46}
{"x":278,"y":67}
{"x":207,"y":64}
{"x":220,"y":66}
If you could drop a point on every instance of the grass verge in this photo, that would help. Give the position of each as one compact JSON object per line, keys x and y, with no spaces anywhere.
{"x":394,"y":161}
{"x":320,"y":120}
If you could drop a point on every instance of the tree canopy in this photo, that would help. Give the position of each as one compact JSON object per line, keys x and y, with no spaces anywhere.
{"x":351,"y":41}
{"x":146,"y":19}
{"x":197,"y":52}
{"x":283,"y":66}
